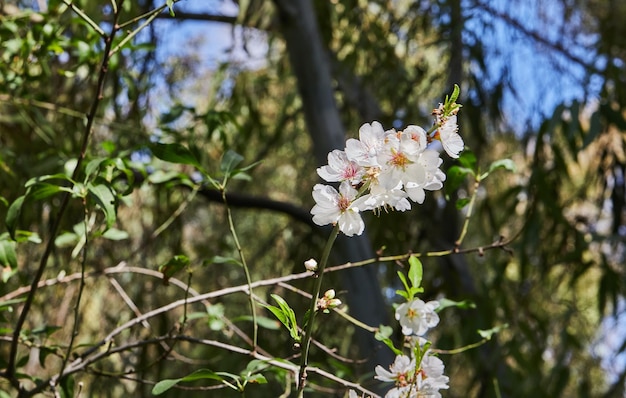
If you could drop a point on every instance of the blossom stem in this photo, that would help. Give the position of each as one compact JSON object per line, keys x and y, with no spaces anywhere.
{"x":306,"y":340}
{"x":468,"y":215}
{"x":244,"y":264}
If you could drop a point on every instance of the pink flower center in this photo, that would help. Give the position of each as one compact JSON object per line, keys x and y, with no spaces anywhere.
{"x":343,"y":204}
{"x":350,"y":172}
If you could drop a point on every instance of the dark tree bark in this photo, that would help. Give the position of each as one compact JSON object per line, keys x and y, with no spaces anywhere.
{"x":312,"y":68}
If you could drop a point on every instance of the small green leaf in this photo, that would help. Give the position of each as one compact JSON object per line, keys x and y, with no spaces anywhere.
{"x":256,"y":378}
{"x":45,"y":330}
{"x":13,"y":214}
{"x":445,"y":303}
{"x":164,"y":385}
{"x":66,"y":239}
{"x":175,"y":153}
{"x":285,"y":315}
{"x":170,"y":6}
{"x":455,"y":177}
{"x":468,"y":160}
{"x":115,"y":234}
{"x":93,"y":166}
{"x":415,"y":271}
{"x":383,"y":334}
{"x":103,"y":196}
{"x":488,"y":334}
{"x":404,"y":281}
{"x":230,"y":160}
{"x":172,"y":266}
{"x":506,"y":164}
{"x":462,"y":202}
{"x":8,"y":257}
{"x":160,"y":176}
{"x":38,"y":180}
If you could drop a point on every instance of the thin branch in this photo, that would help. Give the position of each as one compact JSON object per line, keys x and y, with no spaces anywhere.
{"x":10,"y":372}
{"x":181,"y":16}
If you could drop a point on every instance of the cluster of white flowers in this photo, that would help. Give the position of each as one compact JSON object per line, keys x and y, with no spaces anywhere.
{"x":413,"y":381}
{"x":383,"y":169}
{"x":421,"y":374}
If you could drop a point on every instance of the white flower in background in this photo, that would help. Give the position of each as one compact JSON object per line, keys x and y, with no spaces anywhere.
{"x":364,"y":151}
{"x":340,"y":168}
{"x":450,"y":139}
{"x":332,"y":207}
{"x":416,"y":316}
{"x":430,"y":378}
{"x":400,"y":372}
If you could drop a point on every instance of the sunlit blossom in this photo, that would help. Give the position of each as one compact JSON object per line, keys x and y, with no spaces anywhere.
{"x":450,"y":139}
{"x":332,"y":207}
{"x":416,"y":316}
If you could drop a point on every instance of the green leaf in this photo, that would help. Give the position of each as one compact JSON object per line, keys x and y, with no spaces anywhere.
{"x":175,"y":153}
{"x":256,"y":378}
{"x":404,"y":282}
{"x":468,"y":160}
{"x":37,"y":180}
{"x":46,"y":330}
{"x":93,"y":166}
{"x":383,"y":334}
{"x":13,"y":214}
{"x":8,"y":257}
{"x":164,"y":385}
{"x":44,"y":190}
{"x":170,"y":6}
{"x":67,"y":387}
{"x":506,"y":164}
{"x":66,"y":239}
{"x":160,"y":176}
{"x":445,"y":303}
{"x":115,"y":234}
{"x":230,"y":160}
{"x":104,"y":198}
{"x":172,"y":266}
{"x":415,"y":272}
{"x":285,"y":315}
{"x":455,"y":177}
{"x":488,"y":334}
{"x":7,"y":305}
{"x":461,"y":203}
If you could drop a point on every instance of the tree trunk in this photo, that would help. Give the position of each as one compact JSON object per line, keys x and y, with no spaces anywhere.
{"x":312,"y":68}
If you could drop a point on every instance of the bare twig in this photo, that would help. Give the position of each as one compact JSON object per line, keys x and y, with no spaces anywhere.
{"x":10,"y":372}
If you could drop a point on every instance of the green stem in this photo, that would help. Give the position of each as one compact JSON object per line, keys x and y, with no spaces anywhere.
{"x":233,"y":232}
{"x":85,"y":18}
{"x":306,"y":341}
{"x":470,"y":210}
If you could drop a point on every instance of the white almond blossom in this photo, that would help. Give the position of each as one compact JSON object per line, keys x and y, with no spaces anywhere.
{"x":340,"y":168}
{"x":416,"y":316}
{"x":332,"y":207}
{"x":430,"y":378}
{"x":364,"y":151}
{"x":450,"y":139}
{"x":401,"y":371}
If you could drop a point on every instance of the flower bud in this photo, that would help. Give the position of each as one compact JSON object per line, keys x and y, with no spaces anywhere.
{"x":310,"y":265}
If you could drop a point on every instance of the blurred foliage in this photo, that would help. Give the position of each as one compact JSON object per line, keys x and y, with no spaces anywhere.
{"x":561,"y":275}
